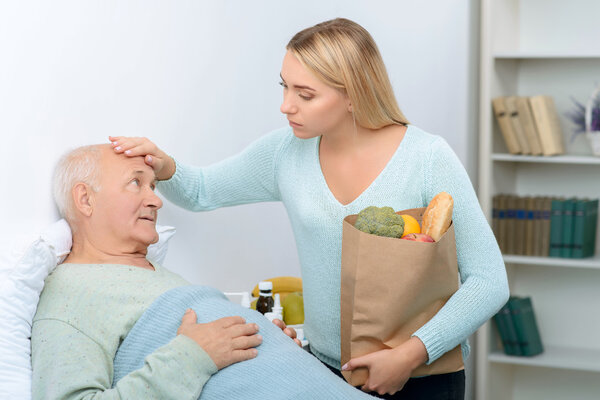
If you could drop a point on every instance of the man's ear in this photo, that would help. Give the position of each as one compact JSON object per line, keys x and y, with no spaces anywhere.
{"x":83,"y":198}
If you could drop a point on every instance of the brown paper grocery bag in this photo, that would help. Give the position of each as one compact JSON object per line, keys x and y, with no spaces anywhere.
{"x":390,"y":288}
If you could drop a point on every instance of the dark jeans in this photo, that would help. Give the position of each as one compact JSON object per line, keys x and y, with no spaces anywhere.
{"x":433,"y":387}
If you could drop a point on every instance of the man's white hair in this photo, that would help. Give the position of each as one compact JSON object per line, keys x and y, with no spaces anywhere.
{"x":79,"y":165}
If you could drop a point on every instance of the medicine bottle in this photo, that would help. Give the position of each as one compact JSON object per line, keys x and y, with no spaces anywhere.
{"x":277,"y":309}
{"x":277,"y":312}
{"x":265,"y":301}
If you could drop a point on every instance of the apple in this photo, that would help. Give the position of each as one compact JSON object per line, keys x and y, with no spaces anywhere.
{"x":418,"y":237}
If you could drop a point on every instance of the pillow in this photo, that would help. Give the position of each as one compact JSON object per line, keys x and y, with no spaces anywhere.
{"x":25,"y":267}
{"x":158,"y":251}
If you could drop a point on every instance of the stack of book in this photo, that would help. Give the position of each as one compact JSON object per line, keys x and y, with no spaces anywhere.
{"x":518,"y":329}
{"x":529,"y":125}
{"x":573,"y":224}
{"x":545,"y":226}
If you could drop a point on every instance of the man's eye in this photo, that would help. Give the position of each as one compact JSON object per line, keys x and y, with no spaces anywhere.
{"x":135,"y":181}
{"x":153,"y":186}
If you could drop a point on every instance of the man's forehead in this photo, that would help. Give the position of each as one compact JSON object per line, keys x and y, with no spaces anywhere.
{"x":128,"y":165}
{"x":137,"y":166}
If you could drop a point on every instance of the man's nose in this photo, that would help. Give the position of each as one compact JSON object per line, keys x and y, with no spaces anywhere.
{"x":152,"y":200}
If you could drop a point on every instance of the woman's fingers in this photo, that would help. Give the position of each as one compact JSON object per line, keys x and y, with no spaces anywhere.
{"x":134,"y":147}
{"x":280,"y":324}
{"x":163,"y":165}
{"x":357,"y":362}
{"x":115,"y":138}
{"x":291,"y":332}
{"x":366,"y":387}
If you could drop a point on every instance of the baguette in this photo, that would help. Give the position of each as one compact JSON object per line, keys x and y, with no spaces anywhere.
{"x":438,"y":216}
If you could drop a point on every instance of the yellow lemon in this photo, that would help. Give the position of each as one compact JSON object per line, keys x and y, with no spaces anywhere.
{"x":411,"y":225}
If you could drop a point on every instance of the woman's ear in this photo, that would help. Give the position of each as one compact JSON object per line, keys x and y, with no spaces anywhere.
{"x":83,"y":198}
{"x":349,"y":107}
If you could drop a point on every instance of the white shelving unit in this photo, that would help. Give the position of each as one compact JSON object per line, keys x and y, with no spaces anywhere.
{"x":560,"y":357}
{"x":552,"y":47}
{"x":592,"y":262}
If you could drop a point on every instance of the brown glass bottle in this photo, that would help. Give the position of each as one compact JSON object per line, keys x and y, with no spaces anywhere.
{"x":265,"y":301}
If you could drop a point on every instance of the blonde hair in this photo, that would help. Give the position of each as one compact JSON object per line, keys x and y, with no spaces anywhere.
{"x":343,"y":54}
{"x":79,"y":165}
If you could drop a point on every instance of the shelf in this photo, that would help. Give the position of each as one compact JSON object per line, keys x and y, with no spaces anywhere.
{"x":524,"y":52}
{"x":555,"y":357}
{"x":592,"y":262}
{"x":539,"y":56}
{"x":560,"y":159}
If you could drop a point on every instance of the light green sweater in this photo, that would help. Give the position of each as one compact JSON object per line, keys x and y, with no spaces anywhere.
{"x":85,"y":312}
{"x":282,"y":167}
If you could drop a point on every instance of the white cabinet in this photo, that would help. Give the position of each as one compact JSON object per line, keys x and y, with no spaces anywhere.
{"x":551,"y":47}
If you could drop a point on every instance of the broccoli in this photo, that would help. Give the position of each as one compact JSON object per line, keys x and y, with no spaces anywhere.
{"x":380,"y":221}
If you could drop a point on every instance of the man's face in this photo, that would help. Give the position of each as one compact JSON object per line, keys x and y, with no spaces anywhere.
{"x":125,"y":208}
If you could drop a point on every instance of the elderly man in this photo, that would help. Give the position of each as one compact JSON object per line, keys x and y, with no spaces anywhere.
{"x":94,"y":298}
{"x":93,"y":301}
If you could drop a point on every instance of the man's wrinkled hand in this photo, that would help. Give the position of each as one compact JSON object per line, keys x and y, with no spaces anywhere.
{"x":226,"y":340}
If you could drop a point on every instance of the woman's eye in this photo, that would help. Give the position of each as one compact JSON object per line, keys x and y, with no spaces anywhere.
{"x":283,"y":85}
{"x":304,"y":97}
{"x":135,"y":181}
{"x":153,"y":186}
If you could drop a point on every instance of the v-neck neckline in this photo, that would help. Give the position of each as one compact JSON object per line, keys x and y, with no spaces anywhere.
{"x":373,"y":182}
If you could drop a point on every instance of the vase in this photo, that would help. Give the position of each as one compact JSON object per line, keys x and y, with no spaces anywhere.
{"x":594,"y":138}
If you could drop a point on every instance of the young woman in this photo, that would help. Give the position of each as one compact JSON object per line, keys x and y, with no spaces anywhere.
{"x":349,"y":146}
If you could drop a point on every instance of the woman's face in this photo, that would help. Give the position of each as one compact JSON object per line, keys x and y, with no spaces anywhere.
{"x":312,"y":107}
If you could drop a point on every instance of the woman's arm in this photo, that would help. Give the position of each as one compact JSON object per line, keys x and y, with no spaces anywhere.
{"x":484,"y":285}
{"x":248,"y":177}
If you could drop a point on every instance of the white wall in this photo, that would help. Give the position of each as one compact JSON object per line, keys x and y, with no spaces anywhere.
{"x":200,"y":79}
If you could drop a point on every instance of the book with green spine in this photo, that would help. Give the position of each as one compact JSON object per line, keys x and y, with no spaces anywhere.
{"x":528,"y":334}
{"x":507,"y":331}
{"x":584,"y":228}
{"x":566,"y":249}
{"x":545,"y":226}
{"x":556,"y":214}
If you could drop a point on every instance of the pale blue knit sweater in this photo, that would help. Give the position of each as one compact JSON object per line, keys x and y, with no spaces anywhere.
{"x":281,"y":167}
{"x":281,"y":370}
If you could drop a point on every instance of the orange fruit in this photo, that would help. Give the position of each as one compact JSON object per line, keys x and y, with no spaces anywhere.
{"x":411,"y":225}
